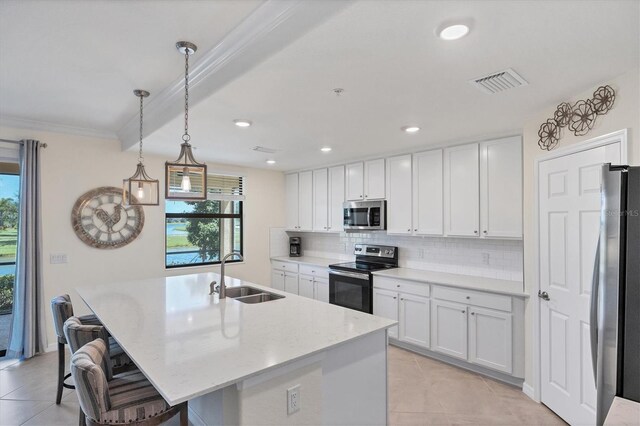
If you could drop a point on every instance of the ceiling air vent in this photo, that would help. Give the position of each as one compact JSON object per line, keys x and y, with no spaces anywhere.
{"x":264,"y":149}
{"x":499,"y":81}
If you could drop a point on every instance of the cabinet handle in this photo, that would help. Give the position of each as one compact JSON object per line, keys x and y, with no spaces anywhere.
{"x":475,"y":232}
{"x":408,"y":230}
{"x":394,"y":297}
{"x":360,"y":195}
{"x":464,"y":312}
{"x":485,"y":232}
{"x":468,"y":297}
{"x":415,"y":230}
{"x":473,"y":313}
{"x":401,"y":298}
{"x":398,"y":285}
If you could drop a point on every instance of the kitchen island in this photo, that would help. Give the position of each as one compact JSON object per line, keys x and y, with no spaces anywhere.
{"x":234,"y":362}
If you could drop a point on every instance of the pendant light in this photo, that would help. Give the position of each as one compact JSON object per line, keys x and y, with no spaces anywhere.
{"x":186,"y":179}
{"x":140,"y":189}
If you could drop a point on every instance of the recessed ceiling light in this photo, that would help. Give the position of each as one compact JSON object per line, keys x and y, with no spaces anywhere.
{"x":242,"y":123}
{"x":411,"y":129}
{"x":453,"y":32}
{"x":325,"y":149}
{"x":271,"y":161}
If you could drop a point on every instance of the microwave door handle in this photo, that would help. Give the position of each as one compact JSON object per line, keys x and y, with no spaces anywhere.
{"x":593,"y":313}
{"x":369,"y":214}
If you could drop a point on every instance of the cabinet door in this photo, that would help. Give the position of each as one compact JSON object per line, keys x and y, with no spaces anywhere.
{"x":336,"y":198}
{"x":414,"y":319}
{"x":321,"y":290}
{"x":291,"y":196}
{"x":374,"y":181}
{"x":462,"y":191}
{"x":385,"y":304}
{"x":490,"y":339}
{"x":501,"y":188}
{"x":449,"y":328}
{"x":428,"y":203}
{"x":305,"y":286}
{"x":320,"y":199}
{"x":399,"y":195}
{"x":355,"y":181}
{"x":277,"y":280}
{"x":305,"y":201}
{"x":291,"y":283}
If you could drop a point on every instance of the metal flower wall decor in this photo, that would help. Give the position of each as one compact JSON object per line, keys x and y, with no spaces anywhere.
{"x":579,"y":117}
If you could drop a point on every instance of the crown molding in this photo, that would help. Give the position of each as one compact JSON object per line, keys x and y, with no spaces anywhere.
{"x":46,"y":126}
{"x":267,"y":30}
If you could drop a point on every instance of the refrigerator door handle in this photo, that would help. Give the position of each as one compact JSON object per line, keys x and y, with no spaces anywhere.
{"x":593,"y":314}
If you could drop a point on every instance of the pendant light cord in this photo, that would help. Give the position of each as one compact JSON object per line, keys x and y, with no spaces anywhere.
{"x":186,"y":136}
{"x":140,"y":157}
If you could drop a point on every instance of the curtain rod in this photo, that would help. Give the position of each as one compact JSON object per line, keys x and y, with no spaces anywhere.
{"x":44,"y":145}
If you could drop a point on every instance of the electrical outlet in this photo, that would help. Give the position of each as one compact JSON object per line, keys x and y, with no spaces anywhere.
{"x":293,"y":399}
{"x":485,"y":258}
{"x":58,"y":258}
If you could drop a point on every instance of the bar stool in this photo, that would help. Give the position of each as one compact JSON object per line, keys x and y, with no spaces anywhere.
{"x":128,"y":398}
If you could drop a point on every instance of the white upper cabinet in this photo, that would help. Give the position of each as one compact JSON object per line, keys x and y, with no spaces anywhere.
{"x":305,"y":201}
{"x":501,"y":188}
{"x":462,"y":191}
{"x":428,"y":203}
{"x":374,"y":181}
{"x":320,"y":200}
{"x":291,"y":196}
{"x":355,"y":181}
{"x":399,"y":195}
{"x":336,"y":198}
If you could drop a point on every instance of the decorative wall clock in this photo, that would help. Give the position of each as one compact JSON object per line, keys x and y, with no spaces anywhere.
{"x":101,"y":219}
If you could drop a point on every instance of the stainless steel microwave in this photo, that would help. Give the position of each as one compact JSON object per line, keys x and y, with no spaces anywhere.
{"x":365,"y":215}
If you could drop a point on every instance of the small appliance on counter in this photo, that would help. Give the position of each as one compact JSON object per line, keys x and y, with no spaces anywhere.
{"x":351,"y":284}
{"x":295,"y":247}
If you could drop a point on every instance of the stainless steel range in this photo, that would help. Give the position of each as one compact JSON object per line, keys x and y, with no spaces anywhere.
{"x":351,"y":284}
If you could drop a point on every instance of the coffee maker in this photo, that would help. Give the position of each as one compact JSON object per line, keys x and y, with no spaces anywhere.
{"x":295,"y":247}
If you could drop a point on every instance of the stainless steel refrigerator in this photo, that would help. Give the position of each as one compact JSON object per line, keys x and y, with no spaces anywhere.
{"x":615,"y":297}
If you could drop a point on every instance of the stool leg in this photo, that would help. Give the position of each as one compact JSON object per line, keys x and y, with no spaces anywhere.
{"x":82,"y":421}
{"x":60,"y":372}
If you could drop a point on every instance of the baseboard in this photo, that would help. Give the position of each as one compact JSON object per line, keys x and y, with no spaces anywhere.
{"x":51,"y":347}
{"x":528,"y":390}
{"x":503,"y":377}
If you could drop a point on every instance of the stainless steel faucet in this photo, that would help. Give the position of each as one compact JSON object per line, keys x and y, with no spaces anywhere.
{"x":222,"y":288}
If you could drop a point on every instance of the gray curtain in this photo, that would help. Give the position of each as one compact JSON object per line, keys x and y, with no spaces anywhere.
{"x":28,"y":330}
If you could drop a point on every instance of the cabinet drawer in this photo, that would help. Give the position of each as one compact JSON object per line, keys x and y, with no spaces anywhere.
{"x":471,"y":297}
{"x":316,"y":271}
{"x":284,"y":266}
{"x":401,"y":286}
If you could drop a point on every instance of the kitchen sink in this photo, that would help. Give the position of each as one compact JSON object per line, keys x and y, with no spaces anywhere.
{"x":246,"y":294}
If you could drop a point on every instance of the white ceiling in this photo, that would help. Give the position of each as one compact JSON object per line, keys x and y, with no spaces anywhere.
{"x":77,"y":58}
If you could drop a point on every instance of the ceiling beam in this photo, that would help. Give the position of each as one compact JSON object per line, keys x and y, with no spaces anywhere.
{"x":267,"y":30}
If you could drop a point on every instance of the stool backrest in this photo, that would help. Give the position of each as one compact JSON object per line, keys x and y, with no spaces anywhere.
{"x":87,"y":369}
{"x":78,"y":335}
{"x":62,"y":310}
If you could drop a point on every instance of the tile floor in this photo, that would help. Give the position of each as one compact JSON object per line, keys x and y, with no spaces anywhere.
{"x":422,"y":391}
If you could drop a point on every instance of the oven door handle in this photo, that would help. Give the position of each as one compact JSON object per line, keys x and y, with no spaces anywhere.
{"x":350,"y":274}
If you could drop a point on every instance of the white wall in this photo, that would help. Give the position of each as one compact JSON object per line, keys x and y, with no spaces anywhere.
{"x":624,"y":115}
{"x":72,"y":165}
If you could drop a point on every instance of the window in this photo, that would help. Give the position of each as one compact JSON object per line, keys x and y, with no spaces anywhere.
{"x":202,"y":232}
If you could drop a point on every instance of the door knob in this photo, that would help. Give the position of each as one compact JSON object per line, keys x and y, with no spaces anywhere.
{"x":543,"y":295}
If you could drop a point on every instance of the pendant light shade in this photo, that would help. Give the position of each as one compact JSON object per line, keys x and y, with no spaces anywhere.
{"x":185,"y":178}
{"x":140,"y":189}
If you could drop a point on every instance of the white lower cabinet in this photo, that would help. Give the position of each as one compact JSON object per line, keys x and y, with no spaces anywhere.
{"x":385,"y":304}
{"x":310,"y":281}
{"x":414,"y":319}
{"x":449,"y":328}
{"x":490,"y":339}
{"x":321,"y":289}
{"x":305,"y":286}
{"x":277,"y":280}
{"x":291,"y":283}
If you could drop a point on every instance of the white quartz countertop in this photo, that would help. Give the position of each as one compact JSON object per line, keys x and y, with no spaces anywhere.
{"x":623,"y":412}
{"x":188,"y":343}
{"x":512,"y":288}
{"x":309,"y":260}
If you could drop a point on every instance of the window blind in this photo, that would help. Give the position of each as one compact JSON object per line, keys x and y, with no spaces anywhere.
{"x":225,"y":187}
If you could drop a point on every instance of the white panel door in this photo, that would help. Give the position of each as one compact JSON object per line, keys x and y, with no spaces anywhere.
{"x":277,"y":280}
{"x":428,"y":203}
{"x":291,"y":197}
{"x":490,"y":339}
{"x":320,"y":199}
{"x":501,"y":188}
{"x":374,"y":181}
{"x":449,"y":328}
{"x":569,"y":221}
{"x":399,"y":195}
{"x":385,"y":304}
{"x":305,"y":286}
{"x":291,"y":283}
{"x":462,"y":191}
{"x":355,"y":181}
{"x":336,"y":198}
{"x":305,"y":201}
{"x":321,"y":290}
{"x":414,"y":319}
